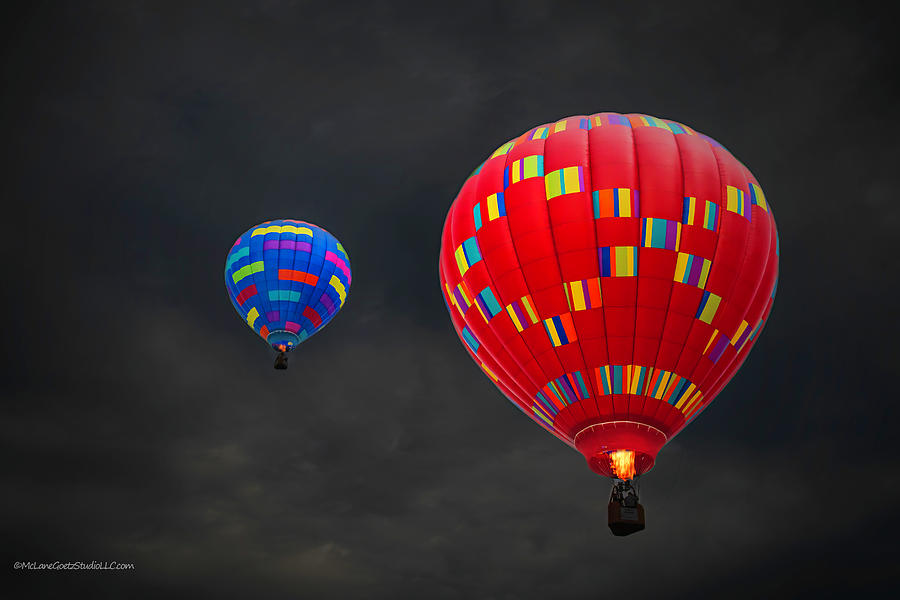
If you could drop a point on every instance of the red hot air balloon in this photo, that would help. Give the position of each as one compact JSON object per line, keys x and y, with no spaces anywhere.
{"x":610,"y":273}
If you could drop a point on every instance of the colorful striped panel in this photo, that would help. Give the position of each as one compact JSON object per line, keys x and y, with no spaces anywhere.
{"x":252,"y":316}
{"x":716,"y":349}
{"x":300,"y":276}
{"x":233,"y":258}
{"x":616,"y":202}
{"x":736,"y":201}
{"x":470,"y":339}
{"x":584,"y":124}
{"x":583,"y":294}
{"x":246,"y":293}
{"x":563,"y":391}
{"x":286,"y":295}
{"x":703,"y":213}
{"x":246,"y":270}
{"x":461,"y":298}
{"x":487,"y":304}
{"x":338,"y":287}
{"x":619,"y":120}
{"x":757,"y":198}
{"x":522,"y":313}
{"x":282,"y":229}
{"x":660,"y":233}
{"x":467,"y":254}
{"x":524,"y":168}
{"x":635,"y":378}
{"x":559,"y":126}
{"x":709,"y":304}
{"x":618,"y":261}
{"x":504,"y":149}
{"x":692,"y":270}
{"x":561,"y":329}
{"x":678,"y":128}
{"x":740,"y":336}
{"x":648,"y":121}
{"x":496,"y":206}
{"x":568,"y":180}
{"x":539,"y":134}
{"x":543,"y":414}
{"x":489,"y":373}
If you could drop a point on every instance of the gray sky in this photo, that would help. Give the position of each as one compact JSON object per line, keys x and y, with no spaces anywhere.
{"x":142,"y":421}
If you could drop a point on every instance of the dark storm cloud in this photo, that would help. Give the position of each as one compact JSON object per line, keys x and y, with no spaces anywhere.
{"x":143,"y":423}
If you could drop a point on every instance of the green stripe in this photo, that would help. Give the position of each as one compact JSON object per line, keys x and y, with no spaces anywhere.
{"x":247,"y":270}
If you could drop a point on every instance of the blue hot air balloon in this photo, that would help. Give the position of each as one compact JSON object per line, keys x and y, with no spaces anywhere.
{"x":287,"y":279}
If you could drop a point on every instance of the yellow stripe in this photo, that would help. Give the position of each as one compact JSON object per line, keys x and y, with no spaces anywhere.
{"x":551,"y":329}
{"x":530,"y":169}
{"x":461,"y":261}
{"x":663,"y":384}
{"x":552,"y":185}
{"x":514,"y":317}
{"x":503,"y":149}
{"x":573,"y":182}
{"x":709,"y":311}
{"x":597,"y":122}
{"x":686,"y":395}
{"x":681,"y":266}
{"x":489,"y":372}
{"x":711,"y":338}
{"x":493,"y":210}
{"x":252,"y":316}
{"x":697,"y":397}
{"x":529,"y":309}
{"x":704,"y":273}
{"x":577,"y":295}
{"x":648,"y":235}
{"x":692,"y":211}
{"x":339,"y":288}
{"x":560,"y":126}
{"x":738,"y":333}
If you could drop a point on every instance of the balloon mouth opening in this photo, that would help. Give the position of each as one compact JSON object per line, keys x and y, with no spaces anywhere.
{"x":620,"y":449}
{"x":283,"y":341}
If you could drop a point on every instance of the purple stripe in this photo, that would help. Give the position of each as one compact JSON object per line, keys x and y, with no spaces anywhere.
{"x":718,"y":349}
{"x":460,"y":299}
{"x":483,"y":306}
{"x":272,"y":316}
{"x":563,"y":382}
{"x":635,"y":204}
{"x":581,"y":179}
{"x":696,"y":266}
{"x":521,"y":315}
{"x":743,"y":338}
{"x":286,"y":245}
{"x":327,"y":302}
{"x":670,"y":235}
{"x":586,"y":294}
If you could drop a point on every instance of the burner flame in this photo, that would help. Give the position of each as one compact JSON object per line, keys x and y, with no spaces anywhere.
{"x":622,"y":462}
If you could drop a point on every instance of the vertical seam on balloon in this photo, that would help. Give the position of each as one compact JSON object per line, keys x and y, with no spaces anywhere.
{"x":637,"y":267}
{"x":538,"y":385}
{"x":527,"y":399}
{"x":589,"y":180}
{"x":672,"y":284}
{"x":262,"y":290}
{"x":558,"y":266}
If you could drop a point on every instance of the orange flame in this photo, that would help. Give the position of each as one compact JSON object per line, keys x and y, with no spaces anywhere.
{"x":622,"y":462}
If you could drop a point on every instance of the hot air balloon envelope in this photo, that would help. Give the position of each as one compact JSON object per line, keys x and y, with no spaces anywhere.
{"x":287,"y":279}
{"x":610,"y":273}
